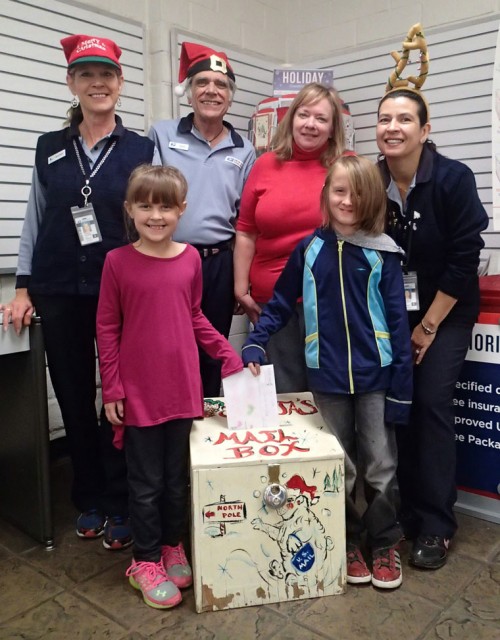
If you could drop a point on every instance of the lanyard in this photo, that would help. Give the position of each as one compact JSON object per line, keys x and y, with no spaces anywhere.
{"x":86,"y":190}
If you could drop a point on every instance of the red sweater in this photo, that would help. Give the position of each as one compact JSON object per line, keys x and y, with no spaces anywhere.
{"x":281,"y":204}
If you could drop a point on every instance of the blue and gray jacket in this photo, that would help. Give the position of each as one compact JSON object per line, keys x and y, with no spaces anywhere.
{"x":357,"y":333}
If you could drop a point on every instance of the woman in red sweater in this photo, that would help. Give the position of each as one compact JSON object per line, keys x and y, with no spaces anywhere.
{"x":280,"y":205}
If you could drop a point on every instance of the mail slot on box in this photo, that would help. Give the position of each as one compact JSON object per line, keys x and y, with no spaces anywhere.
{"x":268,"y":521}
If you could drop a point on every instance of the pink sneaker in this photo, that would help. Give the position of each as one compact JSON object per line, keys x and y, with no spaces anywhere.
{"x":177,"y":566}
{"x":157,"y":590}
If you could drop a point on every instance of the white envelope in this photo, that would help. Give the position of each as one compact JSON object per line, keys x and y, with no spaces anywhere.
{"x":251,"y":401}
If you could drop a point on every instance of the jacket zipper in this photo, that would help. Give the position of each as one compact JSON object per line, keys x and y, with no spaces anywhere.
{"x":349,"y":355}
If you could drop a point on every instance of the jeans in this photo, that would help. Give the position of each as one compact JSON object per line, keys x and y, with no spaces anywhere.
{"x":427,"y":447}
{"x":369,"y":445}
{"x":157,"y":461}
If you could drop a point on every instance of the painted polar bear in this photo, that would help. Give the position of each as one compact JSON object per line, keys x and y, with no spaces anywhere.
{"x":301,"y":538}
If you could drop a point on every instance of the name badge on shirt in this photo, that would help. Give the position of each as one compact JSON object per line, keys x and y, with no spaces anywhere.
{"x":235,"y":161}
{"x":57,"y":156}
{"x":86,"y":224}
{"x":411,"y":291}
{"x":178,"y":145}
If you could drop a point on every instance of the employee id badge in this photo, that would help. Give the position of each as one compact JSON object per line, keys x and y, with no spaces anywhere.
{"x":411,"y":291}
{"x":86,"y":224}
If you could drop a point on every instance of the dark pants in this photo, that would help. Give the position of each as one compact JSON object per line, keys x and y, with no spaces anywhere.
{"x":427,"y":447}
{"x":99,"y":469}
{"x":369,"y":445}
{"x":218,"y":306}
{"x":157,"y":461}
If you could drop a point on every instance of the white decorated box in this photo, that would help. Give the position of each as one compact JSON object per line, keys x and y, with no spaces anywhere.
{"x":268,"y":521}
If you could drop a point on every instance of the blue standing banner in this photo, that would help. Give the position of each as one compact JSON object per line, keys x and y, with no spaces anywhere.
{"x":477,"y":422}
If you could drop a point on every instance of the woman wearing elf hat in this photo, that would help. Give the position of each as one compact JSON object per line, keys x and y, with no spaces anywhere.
{"x":74,"y":217}
{"x":216,"y":162}
{"x":435,"y":215}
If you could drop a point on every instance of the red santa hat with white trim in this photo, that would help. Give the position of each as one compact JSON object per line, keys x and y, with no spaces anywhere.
{"x":198,"y":57}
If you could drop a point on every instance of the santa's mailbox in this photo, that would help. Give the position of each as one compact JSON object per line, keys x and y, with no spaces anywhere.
{"x":268,"y":509}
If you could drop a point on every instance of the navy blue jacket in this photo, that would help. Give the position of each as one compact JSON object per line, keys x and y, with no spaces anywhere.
{"x":60,"y":265}
{"x":357,"y":334}
{"x":441,"y":234}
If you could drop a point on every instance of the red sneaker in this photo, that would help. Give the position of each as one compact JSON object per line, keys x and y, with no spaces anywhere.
{"x":386,"y":568}
{"x":357,"y":571}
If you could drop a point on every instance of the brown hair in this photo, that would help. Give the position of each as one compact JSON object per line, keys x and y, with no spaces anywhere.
{"x":367,"y":188}
{"x":417,"y":97}
{"x":310,"y":94}
{"x":155,"y":184}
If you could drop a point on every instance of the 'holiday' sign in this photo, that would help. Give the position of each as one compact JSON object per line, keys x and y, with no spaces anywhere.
{"x":292,"y":80}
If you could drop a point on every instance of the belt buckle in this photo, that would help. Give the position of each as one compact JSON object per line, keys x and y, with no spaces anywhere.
{"x":209,"y":251}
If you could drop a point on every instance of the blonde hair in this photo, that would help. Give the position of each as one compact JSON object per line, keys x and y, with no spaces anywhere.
{"x":367,"y":188}
{"x":282,"y":142}
{"x":155,"y":184}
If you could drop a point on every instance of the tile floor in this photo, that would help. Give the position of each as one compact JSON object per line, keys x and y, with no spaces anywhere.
{"x":78,"y":591}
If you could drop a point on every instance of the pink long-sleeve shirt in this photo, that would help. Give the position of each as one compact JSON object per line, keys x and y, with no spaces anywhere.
{"x":149,"y":324}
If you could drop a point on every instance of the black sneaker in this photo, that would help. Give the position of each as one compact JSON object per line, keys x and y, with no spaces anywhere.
{"x":429,"y":552}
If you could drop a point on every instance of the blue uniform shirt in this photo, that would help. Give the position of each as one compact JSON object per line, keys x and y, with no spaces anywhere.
{"x":215,"y":177}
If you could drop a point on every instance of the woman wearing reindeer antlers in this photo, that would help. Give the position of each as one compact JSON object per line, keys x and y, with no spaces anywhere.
{"x":435,"y":215}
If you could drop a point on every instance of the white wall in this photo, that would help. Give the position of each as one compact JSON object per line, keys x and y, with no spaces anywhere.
{"x":293,"y":30}
{"x":317,"y":28}
{"x":255,"y":26}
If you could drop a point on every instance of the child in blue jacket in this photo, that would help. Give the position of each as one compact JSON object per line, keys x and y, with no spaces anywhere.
{"x":357,"y":349}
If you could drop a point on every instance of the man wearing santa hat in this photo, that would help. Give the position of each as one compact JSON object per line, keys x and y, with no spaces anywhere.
{"x":216,"y":162}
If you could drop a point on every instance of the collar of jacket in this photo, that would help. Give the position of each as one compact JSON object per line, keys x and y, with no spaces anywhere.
{"x":380,"y":242}
{"x":424,"y":169}
{"x":74,"y":131}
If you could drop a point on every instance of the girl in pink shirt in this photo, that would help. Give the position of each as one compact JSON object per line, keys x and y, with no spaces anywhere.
{"x":149,"y":326}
